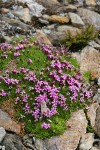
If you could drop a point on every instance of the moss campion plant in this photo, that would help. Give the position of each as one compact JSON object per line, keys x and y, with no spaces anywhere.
{"x":45,"y":86}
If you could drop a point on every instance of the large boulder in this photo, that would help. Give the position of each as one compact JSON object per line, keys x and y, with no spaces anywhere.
{"x":70,"y":139}
{"x":76,"y":20}
{"x":7,"y":123}
{"x":90,"y":17}
{"x":13,"y":142}
{"x":88,"y":60}
{"x":86,"y":141}
{"x":23,"y":14}
{"x":52,"y":6}
{"x":91,"y":113}
{"x":34,"y":7}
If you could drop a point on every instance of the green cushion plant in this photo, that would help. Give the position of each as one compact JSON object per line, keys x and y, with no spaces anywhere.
{"x":45,"y":87}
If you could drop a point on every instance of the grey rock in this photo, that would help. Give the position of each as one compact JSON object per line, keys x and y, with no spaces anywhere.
{"x":12,"y":142}
{"x":2,"y":148}
{"x":65,"y":29}
{"x":97,"y":8}
{"x":46,"y":31}
{"x":97,"y":96}
{"x":90,"y":2}
{"x":17,"y":23}
{"x":94,"y":44}
{"x":7,"y":123}
{"x":91,"y":113}
{"x":45,"y":17}
{"x":71,"y":8}
{"x":98,"y":41}
{"x":76,"y":20}
{"x":80,"y":2}
{"x":70,"y":139}
{"x":6,"y":3}
{"x":51,"y":27}
{"x":86,"y":141}
{"x":96,"y":143}
{"x":44,"y":107}
{"x":35,"y":8}
{"x":7,"y":39}
{"x":10,"y":15}
{"x":52,"y":6}
{"x":43,"y":21}
{"x":28,"y":141}
{"x":23,"y":14}
{"x":39,"y":145}
{"x":94,"y":148}
{"x":90,"y":17}
{"x":99,"y":81}
{"x":42,"y":37}
{"x":88,"y":60}
{"x":2,"y":133}
{"x":97,"y":122}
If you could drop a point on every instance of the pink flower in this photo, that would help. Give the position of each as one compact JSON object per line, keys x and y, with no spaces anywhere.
{"x":45,"y":125}
{"x":30,"y":61}
{"x":16,"y":54}
{"x":3,"y":93}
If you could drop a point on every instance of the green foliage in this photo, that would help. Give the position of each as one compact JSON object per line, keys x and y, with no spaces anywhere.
{"x":81,"y":39}
{"x":87,"y":76}
{"x":89,"y":128}
{"x":39,"y":64}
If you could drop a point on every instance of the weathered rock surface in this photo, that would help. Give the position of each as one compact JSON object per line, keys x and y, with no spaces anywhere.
{"x":65,"y":29}
{"x":94,"y":148}
{"x":42,"y":37}
{"x":71,"y":8}
{"x":99,"y":81}
{"x":35,"y":8}
{"x":90,"y":2}
{"x":12,"y":142}
{"x":88,"y":60}
{"x":4,"y":10}
{"x":90,"y":17}
{"x":86,"y":141}
{"x":52,"y":6}
{"x":92,"y":113}
{"x":2,"y":133}
{"x":76,"y":20}
{"x":94,"y":45}
{"x":23,"y":14}
{"x":97,"y":122}
{"x":16,"y":22}
{"x":97,"y":96}
{"x":6,"y":3}
{"x":7,"y":123}
{"x":70,"y":139}
{"x":59,"y":19}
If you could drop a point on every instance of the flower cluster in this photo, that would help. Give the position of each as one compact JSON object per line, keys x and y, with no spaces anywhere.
{"x":57,"y":86}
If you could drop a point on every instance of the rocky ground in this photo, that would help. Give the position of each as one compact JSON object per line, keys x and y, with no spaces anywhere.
{"x":50,"y":20}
